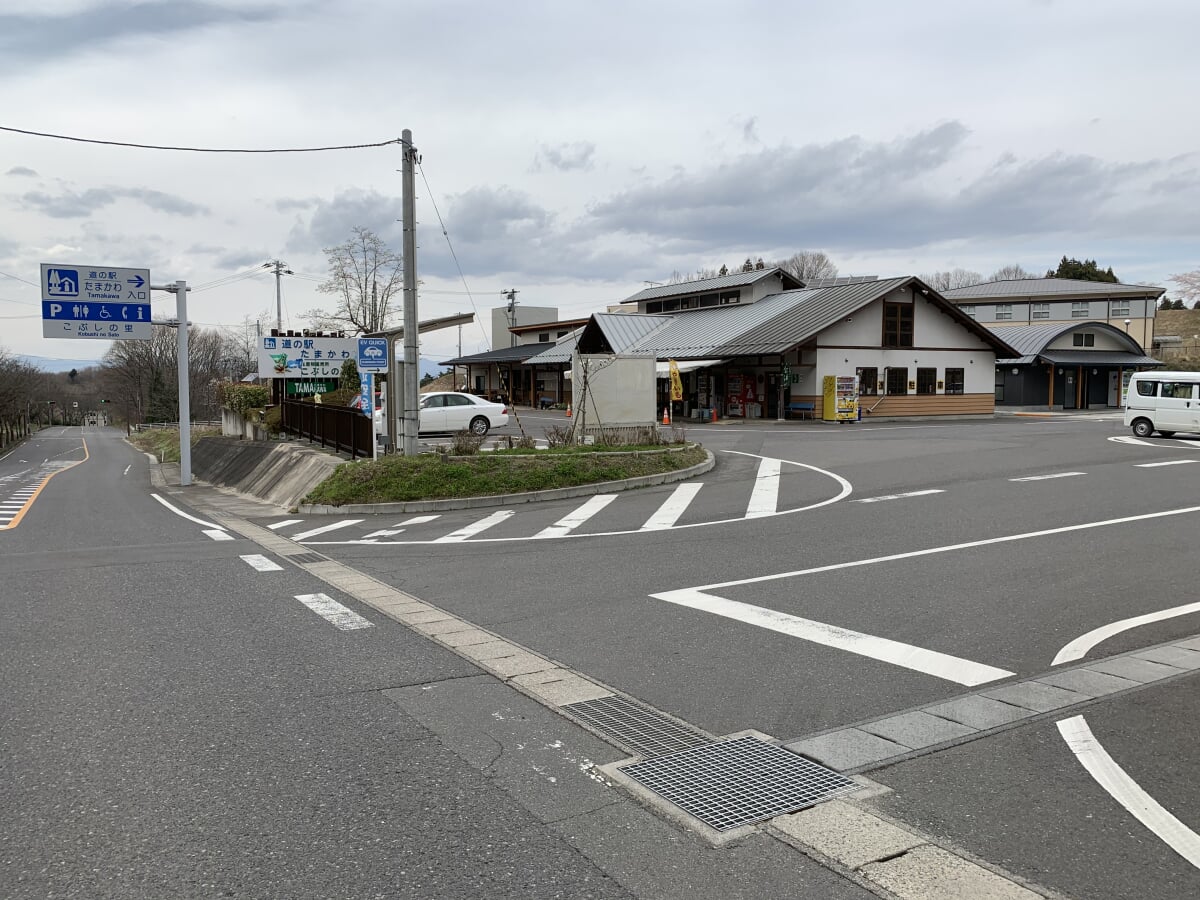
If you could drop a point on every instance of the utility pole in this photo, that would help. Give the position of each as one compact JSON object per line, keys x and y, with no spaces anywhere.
{"x":281,"y":269}
{"x":512,"y":314}
{"x":411,"y":376}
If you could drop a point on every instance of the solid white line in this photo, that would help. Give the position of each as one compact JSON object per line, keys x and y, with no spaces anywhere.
{"x":284,"y":524}
{"x":324,"y":528}
{"x":219,"y":535}
{"x":418,"y":520}
{"x":1127,"y":792}
{"x":333,"y":612}
{"x":573,"y":520}
{"x":968,"y":545}
{"x":940,"y":665}
{"x":1172,"y":462}
{"x":261,"y":563}
{"x":474,"y":528}
{"x":1079,"y":647}
{"x":181,"y":513}
{"x":764,"y":499}
{"x":899,"y":496}
{"x":1048,"y":477}
{"x":673,"y":507}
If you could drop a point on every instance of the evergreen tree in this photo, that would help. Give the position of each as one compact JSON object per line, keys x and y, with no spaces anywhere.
{"x":349,"y":380}
{"x":1087,"y":270}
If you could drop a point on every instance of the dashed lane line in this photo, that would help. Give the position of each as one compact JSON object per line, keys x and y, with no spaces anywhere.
{"x":1170,"y":462}
{"x":899,"y":496}
{"x":1048,"y":477}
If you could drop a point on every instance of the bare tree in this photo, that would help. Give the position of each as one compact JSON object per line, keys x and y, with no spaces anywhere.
{"x":808,"y":265}
{"x":1187,"y":286}
{"x":1012,"y":272}
{"x":20,"y":390}
{"x":955,"y":278}
{"x":364,"y":274}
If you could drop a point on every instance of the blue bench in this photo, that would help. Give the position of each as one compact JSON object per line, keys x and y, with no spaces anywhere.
{"x":801,"y":410}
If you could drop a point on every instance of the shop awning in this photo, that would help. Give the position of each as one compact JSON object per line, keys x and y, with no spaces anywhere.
{"x":663,"y":369}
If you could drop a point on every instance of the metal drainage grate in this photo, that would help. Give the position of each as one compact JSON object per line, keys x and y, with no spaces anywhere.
{"x":304,"y":557}
{"x":738,"y":782}
{"x":637,"y":728}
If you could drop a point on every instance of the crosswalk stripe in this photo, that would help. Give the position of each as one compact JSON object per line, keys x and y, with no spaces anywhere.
{"x":475,"y":527}
{"x":261,"y":563}
{"x":218,"y":534}
{"x":764,"y":500}
{"x":573,"y":520}
{"x":673,"y":507}
{"x":304,"y":535}
{"x":333,"y":612}
{"x":284,"y":524}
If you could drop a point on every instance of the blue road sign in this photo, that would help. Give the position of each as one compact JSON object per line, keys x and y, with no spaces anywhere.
{"x":372,"y":354}
{"x":96,"y":302}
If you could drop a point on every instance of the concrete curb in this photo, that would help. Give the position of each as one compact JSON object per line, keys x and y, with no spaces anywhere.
{"x":583,"y":490}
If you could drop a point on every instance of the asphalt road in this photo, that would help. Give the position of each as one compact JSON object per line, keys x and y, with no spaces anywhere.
{"x":180,"y":720}
{"x":995,"y":543}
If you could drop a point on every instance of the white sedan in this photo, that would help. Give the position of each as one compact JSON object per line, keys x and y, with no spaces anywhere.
{"x":448,"y":411}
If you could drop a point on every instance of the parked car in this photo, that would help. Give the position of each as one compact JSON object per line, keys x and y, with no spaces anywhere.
{"x":447,"y":411}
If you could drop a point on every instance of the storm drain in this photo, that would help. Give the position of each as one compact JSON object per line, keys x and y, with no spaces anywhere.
{"x":738,"y":782}
{"x":304,"y":557}
{"x":635,"y":727}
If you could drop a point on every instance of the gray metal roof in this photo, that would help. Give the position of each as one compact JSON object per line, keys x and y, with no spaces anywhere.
{"x":706,"y":285}
{"x":1097,"y":358}
{"x":560,"y":353}
{"x":838,"y":280}
{"x":1048,"y":287}
{"x":624,"y":330}
{"x":1030,"y":340}
{"x":519,"y":353}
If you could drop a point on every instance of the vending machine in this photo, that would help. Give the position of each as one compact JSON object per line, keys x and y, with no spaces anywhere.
{"x":840,"y":396}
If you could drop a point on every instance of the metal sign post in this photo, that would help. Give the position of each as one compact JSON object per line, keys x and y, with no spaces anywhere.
{"x":180,"y":289}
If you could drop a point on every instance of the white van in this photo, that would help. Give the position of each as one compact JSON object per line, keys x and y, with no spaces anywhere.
{"x":1165,"y":402}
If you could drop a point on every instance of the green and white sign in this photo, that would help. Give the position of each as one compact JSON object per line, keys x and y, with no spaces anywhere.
{"x":298,"y":387}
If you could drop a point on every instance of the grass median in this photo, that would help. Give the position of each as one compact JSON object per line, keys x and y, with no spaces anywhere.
{"x":163,"y":443}
{"x":398,"y":479}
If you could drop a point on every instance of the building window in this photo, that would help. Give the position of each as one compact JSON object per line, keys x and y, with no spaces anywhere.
{"x":1119,"y":308}
{"x":561,"y":333}
{"x":1040,"y":311}
{"x":1083,"y":339}
{"x":1003,"y":311}
{"x":543,"y":337}
{"x":968,"y":310}
{"x":926,"y":381}
{"x":868,"y":382}
{"x":1080,"y":309}
{"x":654,"y":306}
{"x":897,"y":381}
{"x":731,"y":297}
{"x":955,"y":379}
{"x":897,"y":325}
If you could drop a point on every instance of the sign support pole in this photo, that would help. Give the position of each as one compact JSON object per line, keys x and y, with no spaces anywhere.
{"x":180,"y":289}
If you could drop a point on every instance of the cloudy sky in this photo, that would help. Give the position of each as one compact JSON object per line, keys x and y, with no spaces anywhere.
{"x":576,"y":149}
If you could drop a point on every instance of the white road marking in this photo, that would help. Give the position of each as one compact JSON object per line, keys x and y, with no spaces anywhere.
{"x":949,"y":548}
{"x":1048,"y":477}
{"x":181,"y":513}
{"x":1110,"y":776}
{"x":673,"y":507}
{"x":1079,"y":647}
{"x":1170,"y":462}
{"x":574,"y":519}
{"x":284,"y":524}
{"x":218,"y":534}
{"x":324,"y":528}
{"x":764,"y":499}
{"x":399,"y":527}
{"x":127,"y":468}
{"x":383,"y":532}
{"x":418,"y":520}
{"x":261,"y":563}
{"x":899,"y":496}
{"x":940,"y":665}
{"x":333,"y":612}
{"x":474,"y":528}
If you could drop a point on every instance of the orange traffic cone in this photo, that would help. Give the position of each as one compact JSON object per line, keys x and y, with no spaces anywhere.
{"x":666,"y":415}
{"x":568,"y":410}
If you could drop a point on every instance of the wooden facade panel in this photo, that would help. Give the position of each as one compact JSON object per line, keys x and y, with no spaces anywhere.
{"x":931,"y":405}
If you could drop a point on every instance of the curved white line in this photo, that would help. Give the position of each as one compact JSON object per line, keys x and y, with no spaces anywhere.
{"x":1127,"y":792}
{"x":181,"y":513}
{"x":846,"y":490}
{"x":1079,"y":647}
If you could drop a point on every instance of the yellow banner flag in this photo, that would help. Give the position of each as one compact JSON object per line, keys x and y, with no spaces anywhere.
{"x":676,"y":382}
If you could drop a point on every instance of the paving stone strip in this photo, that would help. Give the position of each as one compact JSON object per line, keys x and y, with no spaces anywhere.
{"x":869,"y":745}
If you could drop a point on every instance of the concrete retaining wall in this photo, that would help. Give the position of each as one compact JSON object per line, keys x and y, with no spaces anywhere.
{"x":280,"y":473}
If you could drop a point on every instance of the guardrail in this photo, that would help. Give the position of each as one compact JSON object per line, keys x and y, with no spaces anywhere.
{"x":339,"y":427}
{"x":144,"y":426}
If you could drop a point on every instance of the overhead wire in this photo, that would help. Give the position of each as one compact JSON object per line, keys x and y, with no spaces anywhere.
{"x":454,"y":256}
{"x":84,"y":140}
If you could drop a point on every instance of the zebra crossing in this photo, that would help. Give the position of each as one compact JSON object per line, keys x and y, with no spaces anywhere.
{"x":18,"y":489}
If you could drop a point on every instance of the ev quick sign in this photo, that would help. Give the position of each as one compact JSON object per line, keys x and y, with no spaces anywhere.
{"x":98,"y":302}
{"x":372,"y":354}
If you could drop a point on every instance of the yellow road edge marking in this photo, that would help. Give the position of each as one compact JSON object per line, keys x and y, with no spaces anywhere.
{"x":29,"y":503}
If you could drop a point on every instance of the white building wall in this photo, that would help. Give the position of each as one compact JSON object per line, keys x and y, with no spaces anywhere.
{"x":1104,"y":341}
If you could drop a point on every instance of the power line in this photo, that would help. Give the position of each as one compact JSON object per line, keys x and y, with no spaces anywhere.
{"x":22,"y":280}
{"x":453,"y":255}
{"x":83,"y":140}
